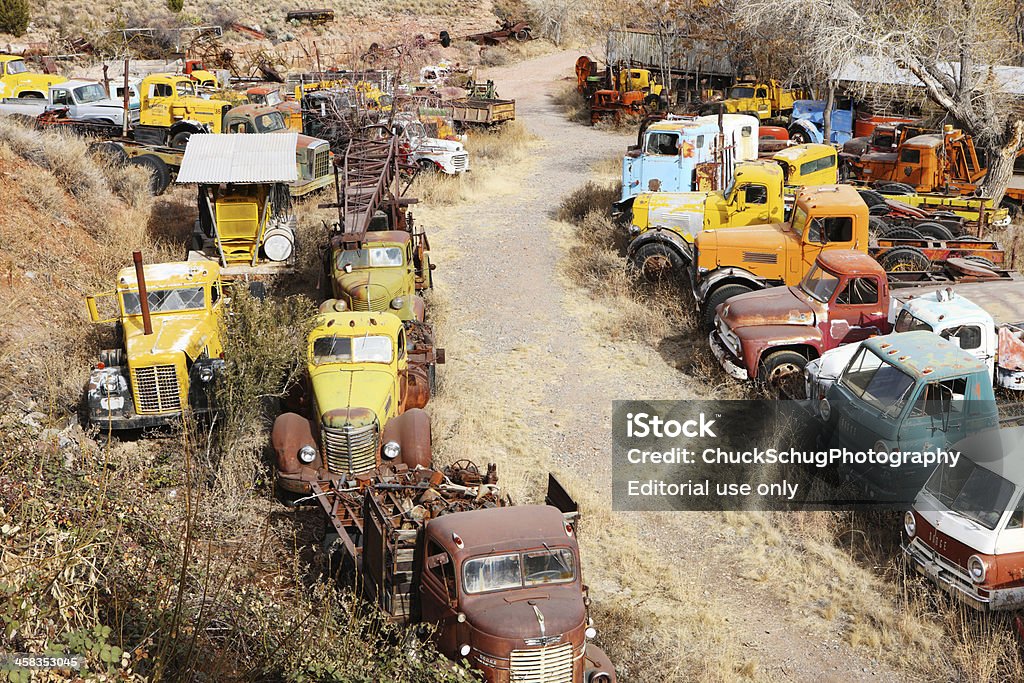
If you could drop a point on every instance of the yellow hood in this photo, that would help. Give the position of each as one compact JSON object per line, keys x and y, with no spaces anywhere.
{"x":186,"y":333}
{"x":345,"y":392}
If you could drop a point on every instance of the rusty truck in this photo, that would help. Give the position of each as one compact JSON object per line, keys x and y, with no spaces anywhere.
{"x":500,"y":585}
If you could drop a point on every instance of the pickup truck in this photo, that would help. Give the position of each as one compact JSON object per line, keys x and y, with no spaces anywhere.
{"x":500,"y":586}
{"x":427,"y":153}
{"x":82,"y":100}
{"x":17,"y":81}
{"x":983,"y":318}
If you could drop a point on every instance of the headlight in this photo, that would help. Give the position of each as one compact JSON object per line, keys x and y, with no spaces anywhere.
{"x":977,"y":569}
{"x":599,"y":677}
{"x":206,"y":373}
{"x":591,"y":632}
{"x":392,"y":450}
{"x":464,"y":650}
{"x":881,"y":447}
{"x":825,"y":409}
{"x":110,"y":384}
{"x":909,"y":523}
{"x":397,"y":303}
{"x":307,"y":454}
{"x":634,"y":230}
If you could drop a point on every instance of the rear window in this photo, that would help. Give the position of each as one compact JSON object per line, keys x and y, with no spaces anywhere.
{"x":910,"y":156}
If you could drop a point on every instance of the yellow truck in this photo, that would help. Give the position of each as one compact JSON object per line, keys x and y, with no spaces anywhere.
{"x":664,"y":224}
{"x":763,"y":99}
{"x":172,"y":111}
{"x":361,"y":403}
{"x":17,"y":81}
{"x":169,"y":318}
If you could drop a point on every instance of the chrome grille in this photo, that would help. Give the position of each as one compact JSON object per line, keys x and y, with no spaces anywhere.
{"x":542,"y":665}
{"x":460,"y":161}
{"x":351,"y":450}
{"x":322,"y":163}
{"x":156,"y":389}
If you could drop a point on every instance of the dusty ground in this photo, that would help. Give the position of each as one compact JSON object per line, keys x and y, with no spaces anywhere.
{"x":523,"y":333}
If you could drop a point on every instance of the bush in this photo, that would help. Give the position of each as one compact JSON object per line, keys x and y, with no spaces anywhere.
{"x":14,"y":16}
{"x":175,"y":5}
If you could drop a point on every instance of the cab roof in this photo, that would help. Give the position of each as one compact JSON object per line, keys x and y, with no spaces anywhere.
{"x":762,"y":166}
{"x":837,"y":196}
{"x":930,"y":140}
{"x":501,"y":529}
{"x":10,"y":58}
{"x":954,"y":308}
{"x":850,"y":262}
{"x":925,"y":355}
{"x":799,"y":152}
{"x":376,"y":237}
{"x":174,"y":274}
{"x":350,"y":323}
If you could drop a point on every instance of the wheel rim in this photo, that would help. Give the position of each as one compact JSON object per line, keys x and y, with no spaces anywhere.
{"x":656,"y":266}
{"x":787,"y":379}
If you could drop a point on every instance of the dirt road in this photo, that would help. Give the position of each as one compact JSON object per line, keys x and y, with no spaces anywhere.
{"x":542,"y":382}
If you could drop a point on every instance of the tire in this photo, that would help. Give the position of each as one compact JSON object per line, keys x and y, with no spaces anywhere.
{"x":935,"y":231}
{"x":432,"y":379}
{"x":877,"y":227}
{"x":871,"y":198}
{"x":1012,"y":206}
{"x":782,"y":373}
{"x":522,"y":35}
{"x":159,"y":173}
{"x":180,"y":140}
{"x":981,"y":261}
{"x":652,"y":103}
{"x":656,"y":262}
{"x":427,"y":166}
{"x":720,"y":296}
{"x":111,"y":152}
{"x":903,"y":259}
{"x":799,"y":136}
{"x":901,"y":232}
{"x":896,"y":188}
{"x":879,"y":210}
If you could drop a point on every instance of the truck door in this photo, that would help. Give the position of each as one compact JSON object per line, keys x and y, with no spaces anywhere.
{"x":156,"y":109}
{"x":855,"y":312}
{"x":439,"y":598}
{"x":937,"y":418}
{"x":971,"y":338}
{"x":750,"y":205}
{"x":911,"y":169}
{"x":764,"y":105}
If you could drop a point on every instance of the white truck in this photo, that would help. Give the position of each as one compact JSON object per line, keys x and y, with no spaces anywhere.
{"x":83,"y":100}
{"x":429,"y":154}
{"x":985,"y":318}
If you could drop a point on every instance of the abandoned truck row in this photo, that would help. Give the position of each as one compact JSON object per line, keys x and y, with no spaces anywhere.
{"x":499,"y":585}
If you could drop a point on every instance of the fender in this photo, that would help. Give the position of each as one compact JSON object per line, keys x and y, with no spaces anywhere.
{"x":665,"y":236}
{"x":623,"y":208}
{"x":805,"y":126}
{"x":186,"y":126}
{"x":760,"y":340}
{"x":411,"y":430}
{"x":723,"y":276}
{"x":419,"y":307}
{"x":290,"y":433}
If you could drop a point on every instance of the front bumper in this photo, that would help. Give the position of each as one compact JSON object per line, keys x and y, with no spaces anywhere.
{"x":947,"y":576}
{"x":732,"y":365}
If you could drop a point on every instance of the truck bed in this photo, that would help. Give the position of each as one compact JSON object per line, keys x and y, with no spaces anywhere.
{"x":1002,"y":299}
{"x":483,"y":111}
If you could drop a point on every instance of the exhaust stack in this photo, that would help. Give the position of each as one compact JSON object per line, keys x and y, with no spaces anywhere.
{"x":147,"y":323}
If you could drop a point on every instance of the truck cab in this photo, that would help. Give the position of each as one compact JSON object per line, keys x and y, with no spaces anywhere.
{"x":965,"y":531}
{"x":808,"y":164}
{"x":364,"y":392}
{"x":504,"y":588}
{"x":171,"y":350}
{"x":427,"y":153}
{"x":769,"y":335}
{"x":172,"y":111}
{"x":765,"y":100}
{"x":910,"y":391}
{"x":17,"y":81}
{"x":730,"y":262}
{"x":929,"y":162}
{"x":384,"y":273}
{"x":671,"y":151}
{"x":267,"y":97}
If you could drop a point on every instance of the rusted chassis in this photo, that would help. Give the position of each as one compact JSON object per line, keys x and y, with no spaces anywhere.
{"x":1003,"y":588}
{"x":292,"y":432}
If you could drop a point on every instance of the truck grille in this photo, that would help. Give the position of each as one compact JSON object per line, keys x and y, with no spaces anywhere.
{"x":373,"y":303}
{"x":322,"y":163}
{"x":351,"y":450}
{"x":156,"y":389}
{"x":460,"y":161}
{"x":542,"y":665}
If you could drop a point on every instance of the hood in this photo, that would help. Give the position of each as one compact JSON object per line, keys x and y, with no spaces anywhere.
{"x":682,"y":212}
{"x":757,"y":243}
{"x":353,"y":394}
{"x":438,"y":145}
{"x":371,"y":284}
{"x":510,"y":614}
{"x":773,"y":306}
{"x":178,"y":333}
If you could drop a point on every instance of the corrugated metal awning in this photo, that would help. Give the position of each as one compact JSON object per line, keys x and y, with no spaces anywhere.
{"x":239,"y":158}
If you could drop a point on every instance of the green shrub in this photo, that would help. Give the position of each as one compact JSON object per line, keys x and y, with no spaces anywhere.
{"x":14,"y":15}
{"x":175,"y":5}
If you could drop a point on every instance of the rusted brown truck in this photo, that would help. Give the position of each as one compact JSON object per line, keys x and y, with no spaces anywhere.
{"x":501,"y":585}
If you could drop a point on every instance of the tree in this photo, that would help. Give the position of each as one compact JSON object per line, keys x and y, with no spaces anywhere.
{"x":14,"y":16}
{"x":951,"y":49}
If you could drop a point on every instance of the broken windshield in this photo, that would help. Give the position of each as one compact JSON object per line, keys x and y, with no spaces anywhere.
{"x":884,"y":386}
{"x":334,"y":349}
{"x":166,"y":300}
{"x":370,"y":258}
{"x":518,"y":570}
{"x":270,"y":122}
{"x":972,"y":491}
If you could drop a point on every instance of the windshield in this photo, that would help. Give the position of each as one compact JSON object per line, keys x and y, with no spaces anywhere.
{"x":518,"y":570}
{"x":799,"y":222}
{"x":375,"y":257}
{"x":819,"y":284}
{"x":906,"y":322}
{"x":334,"y":349}
{"x":166,"y":300}
{"x":884,"y":386}
{"x":90,"y":93}
{"x":268,"y":123}
{"x":971,"y":490}
{"x":16,"y":67}
{"x":741,"y":92}
{"x":186,"y":89}
{"x":664,"y":144}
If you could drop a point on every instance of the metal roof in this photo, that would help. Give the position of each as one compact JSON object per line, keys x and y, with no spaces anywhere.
{"x":865,"y":69}
{"x":240,"y":158}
